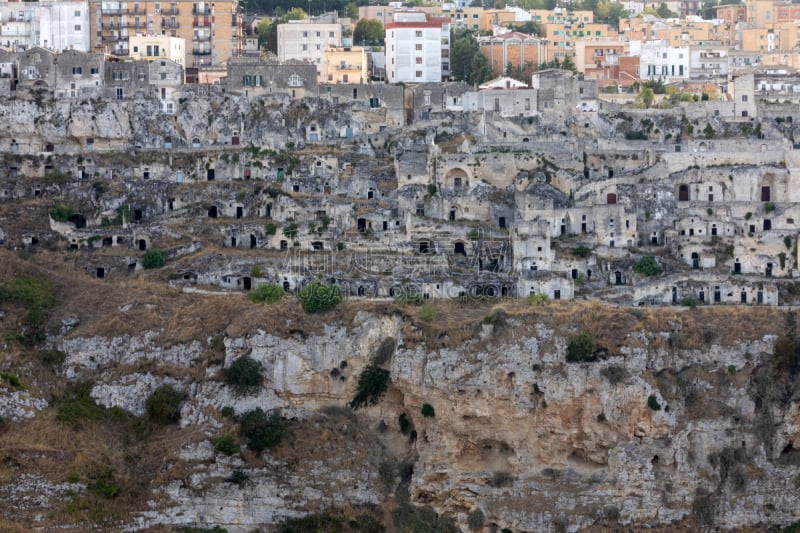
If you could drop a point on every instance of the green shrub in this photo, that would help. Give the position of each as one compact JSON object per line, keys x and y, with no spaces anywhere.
{"x":537,"y":299}
{"x":266,"y":293}
{"x":317,"y":297}
{"x":238,"y":477}
{"x":270,"y":228}
{"x":76,"y":406}
{"x":652,"y":403}
{"x":769,"y":207}
{"x":52,"y":357}
{"x":262,"y":430}
{"x":372,"y":384}
{"x":689,"y":301}
{"x":103,"y":484}
{"x":244,"y":374}
{"x":474,"y":235}
{"x":581,"y":251}
{"x":431,"y":189}
{"x":225,"y":444}
{"x":580,"y":348}
{"x":427,"y":410}
{"x":647,"y":266}
{"x":787,"y":241}
{"x":407,"y":517}
{"x":36,"y":296}
{"x":428,"y":313}
{"x":475,"y":520}
{"x":154,"y":258}
{"x":290,"y":230}
{"x":227,"y":411}
{"x":255,"y":272}
{"x":163,"y":406}
{"x":12,"y":379}
{"x":61,"y":212}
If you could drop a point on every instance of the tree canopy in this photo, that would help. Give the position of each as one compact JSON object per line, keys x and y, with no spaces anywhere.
{"x":369,"y":32}
{"x":467,"y":63}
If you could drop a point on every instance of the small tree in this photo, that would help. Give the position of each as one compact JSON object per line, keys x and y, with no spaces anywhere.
{"x":428,"y":411}
{"x":647,"y":266}
{"x":154,"y":258}
{"x":652,"y":403}
{"x":579,"y":348}
{"x":244,"y":374}
{"x":647,"y":96}
{"x":372,"y":384}
{"x":163,"y":406}
{"x":266,"y":293}
{"x":262,"y":430}
{"x":317,"y":297}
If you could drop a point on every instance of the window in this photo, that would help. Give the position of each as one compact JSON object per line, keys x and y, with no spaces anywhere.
{"x":418,"y":60}
{"x":120,"y":93}
{"x":345,"y":78}
{"x":427,"y":99}
{"x":419,"y":46}
{"x":135,"y":49}
{"x":77,"y":70}
{"x":94,"y":70}
{"x":418,"y":33}
{"x":77,"y":13}
{"x":331,"y":35}
{"x":318,"y":34}
{"x":77,"y":27}
{"x":305,"y":34}
{"x":305,"y":47}
{"x":418,"y":74}
{"x":317,"y":47}
{"x":744,"y":98}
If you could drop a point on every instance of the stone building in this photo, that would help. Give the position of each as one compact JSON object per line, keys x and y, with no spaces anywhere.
{"x":253,"y":77}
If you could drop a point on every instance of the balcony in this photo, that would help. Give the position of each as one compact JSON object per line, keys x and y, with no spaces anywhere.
{"x":205,"y":11}
{"x":201,"y":51}
{"x":166,"y":25}
{"x":202,"y":37}
{"x":202,"y":22}
{"x":110,"y":38}
{"x":120,"y":51}
{"x":124,"y":12}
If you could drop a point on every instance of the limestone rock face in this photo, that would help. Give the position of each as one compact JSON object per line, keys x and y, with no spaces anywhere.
{"x":534,"y":442}
{"x":19,"y":404}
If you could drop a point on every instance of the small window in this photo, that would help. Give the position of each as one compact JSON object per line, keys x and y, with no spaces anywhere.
{"x":418,"y":33}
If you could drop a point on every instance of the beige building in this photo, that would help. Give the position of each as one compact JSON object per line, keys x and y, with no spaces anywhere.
{"x":345,"y":65}
{"x":212,"y":30}
{"x":308,"y":39}
{"x":152,"y":47}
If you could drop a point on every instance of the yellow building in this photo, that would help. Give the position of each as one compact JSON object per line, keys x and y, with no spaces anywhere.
{"x":760,"y":40}
{"x":345,"y":65}
{"x":761,"y":12}
{"x":212,"y":30}
{"x":562,"y":37}
{"x":152,"y":47}
{"x":561,"y":16}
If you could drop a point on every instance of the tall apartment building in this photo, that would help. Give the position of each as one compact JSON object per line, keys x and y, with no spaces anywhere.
{"x":56,"y":24}
{"x":213,"y":30}
{"x":417,"y":48}
{"x":307,"y":39}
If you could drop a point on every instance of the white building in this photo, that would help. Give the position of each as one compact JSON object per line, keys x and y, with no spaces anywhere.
{"x":306,"y":40}
{"x":152,"y":47}
{"x":56,"y":25}
{"x":417,"y":48}
{"x":658,"y":59}
{"x":708,"y":62}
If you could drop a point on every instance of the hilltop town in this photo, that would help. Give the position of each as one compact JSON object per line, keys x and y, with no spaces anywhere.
{"x":437,"y":190}
{"x":561,"y":242}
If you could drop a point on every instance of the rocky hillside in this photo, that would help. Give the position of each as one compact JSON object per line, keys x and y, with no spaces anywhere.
{"x":130,"y":406}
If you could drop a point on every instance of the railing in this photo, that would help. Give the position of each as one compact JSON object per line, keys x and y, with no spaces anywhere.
{"x":202,"y":37}
{"x":110,"y":38}
{"x":204,"y":11}
{"x":166,"y":24}
{"x":120,"y":52}
{"x":201,"y":51}
{"x":124,"y":12}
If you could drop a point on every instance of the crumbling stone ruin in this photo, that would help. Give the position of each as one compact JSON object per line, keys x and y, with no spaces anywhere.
{"x":433,"y":190}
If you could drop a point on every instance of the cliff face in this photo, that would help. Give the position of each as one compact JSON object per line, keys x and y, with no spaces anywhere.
{"x":667,"y":427}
